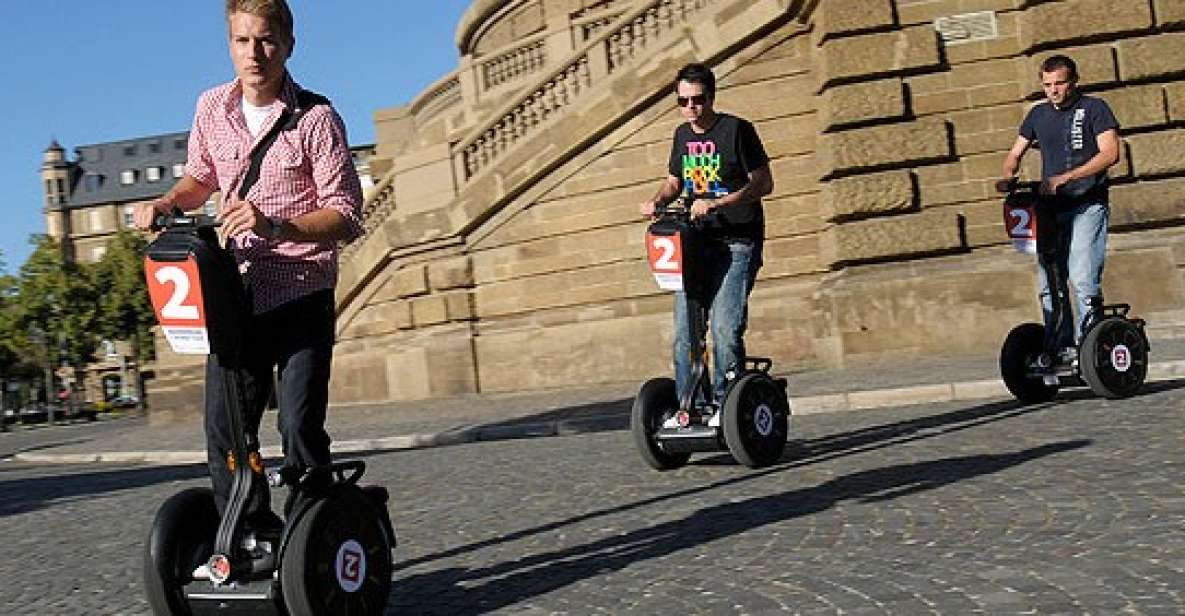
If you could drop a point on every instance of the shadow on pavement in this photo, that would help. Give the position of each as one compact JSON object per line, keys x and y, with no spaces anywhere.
{"x":507,"y":583}
{"x":802,"y":453}
{"x":32,"y":493}
{"x":581,"y":411}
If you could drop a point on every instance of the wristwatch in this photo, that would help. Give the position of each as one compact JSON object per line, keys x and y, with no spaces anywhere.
{"x":274,"y":225}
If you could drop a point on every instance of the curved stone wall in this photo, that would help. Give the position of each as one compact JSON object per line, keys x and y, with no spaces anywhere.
{"x":526,"y":269}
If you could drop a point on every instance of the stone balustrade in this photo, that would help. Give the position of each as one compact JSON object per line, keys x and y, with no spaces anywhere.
{"x":517,"y":63}
{"x":437,"y":98}
{"x":587,"y":24}
{"x":375,"y":210}
{"x":637,"y":30}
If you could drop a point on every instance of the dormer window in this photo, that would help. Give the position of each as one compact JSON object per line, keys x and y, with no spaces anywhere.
{"x":179,"y":170}
{"x":129,"y":150}
{"x":152,"y":174}
{"x":91,"y":182}
{"x":127,"y":177}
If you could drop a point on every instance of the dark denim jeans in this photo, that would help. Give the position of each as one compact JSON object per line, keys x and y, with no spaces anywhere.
{"x":732,"y":269}
{"x":295,"y":339}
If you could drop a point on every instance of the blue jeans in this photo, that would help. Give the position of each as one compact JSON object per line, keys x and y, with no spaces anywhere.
{"x":1081,"y":249}
{"x":731,"y":270}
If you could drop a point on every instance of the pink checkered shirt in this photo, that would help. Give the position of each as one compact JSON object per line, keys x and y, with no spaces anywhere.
{"x":307,"y":168}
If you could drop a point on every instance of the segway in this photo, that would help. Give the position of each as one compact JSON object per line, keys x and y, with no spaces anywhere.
{"x":752,"y":422}
{"x":333,"y":554}
{"x":1112,"y":358}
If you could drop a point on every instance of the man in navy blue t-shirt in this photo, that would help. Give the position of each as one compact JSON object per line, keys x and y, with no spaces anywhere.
{"x":1078,"y":136}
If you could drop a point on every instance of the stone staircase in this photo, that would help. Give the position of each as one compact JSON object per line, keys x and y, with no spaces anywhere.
{"x":622,"y":69}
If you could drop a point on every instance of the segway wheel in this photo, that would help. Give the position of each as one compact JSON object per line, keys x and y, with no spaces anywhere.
{"x":338,"y":557}
{"x":655,"y":402}
{"x":1023,"y":343}
{"x":756,"y":420}
{"x":181,"y":539}
{"x":1114,"y":358}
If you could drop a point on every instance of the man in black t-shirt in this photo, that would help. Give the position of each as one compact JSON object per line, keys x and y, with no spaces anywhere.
{"x":1078,"y":136}
{"x":719,"y":159}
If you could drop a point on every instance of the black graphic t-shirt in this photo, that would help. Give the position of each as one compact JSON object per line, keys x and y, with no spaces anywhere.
{"x":718,"y":162}
{"x":1068,"y":138}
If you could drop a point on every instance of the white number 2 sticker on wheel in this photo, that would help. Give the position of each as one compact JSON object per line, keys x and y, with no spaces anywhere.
{"x":176,"y":292}
{"x":1021,"y":222}
{"x":666,"y":260}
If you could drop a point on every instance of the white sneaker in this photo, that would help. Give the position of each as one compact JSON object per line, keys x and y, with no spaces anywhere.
{"x":201,"y":573}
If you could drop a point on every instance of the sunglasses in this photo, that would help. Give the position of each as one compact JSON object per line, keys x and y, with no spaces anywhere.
{"x":697,"y":100}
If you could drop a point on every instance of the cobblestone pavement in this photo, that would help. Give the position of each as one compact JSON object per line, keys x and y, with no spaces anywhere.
{"x":1073,"y":507}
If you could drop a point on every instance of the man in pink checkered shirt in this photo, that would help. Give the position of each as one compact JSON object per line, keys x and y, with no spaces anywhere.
{"x":285,"y":235}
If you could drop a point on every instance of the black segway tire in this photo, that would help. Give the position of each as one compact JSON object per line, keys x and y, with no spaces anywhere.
{"x":655,"y":401}
{"x":1023,"y":343}
{"x":1114,"y":358}
{"x":756,"y":420}
{"x":181,"y":539}
{"x":338,"y":557}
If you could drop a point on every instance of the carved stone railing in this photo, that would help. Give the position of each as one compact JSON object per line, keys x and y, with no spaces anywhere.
{"x":437,"y":98}
{"x":519,"y":62}
{"x":375,"y":210}
{"x":636,"y":35}
{"x":588,"y":67}
{"x":588,"y":22}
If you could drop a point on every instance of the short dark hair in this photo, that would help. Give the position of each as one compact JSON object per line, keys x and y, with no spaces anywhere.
{"x":1053,"y":63}
{"x":698,"y":73}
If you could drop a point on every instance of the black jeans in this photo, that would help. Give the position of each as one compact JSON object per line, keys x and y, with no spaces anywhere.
{"x":295,"y":339}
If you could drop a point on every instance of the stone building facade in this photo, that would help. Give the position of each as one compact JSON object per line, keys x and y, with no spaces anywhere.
{"x":504,"y":252}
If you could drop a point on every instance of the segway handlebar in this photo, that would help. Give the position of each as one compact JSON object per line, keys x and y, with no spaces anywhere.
{"x":179,"y":220}
{"x":1014,"y":185}
{"x":679,"y":208}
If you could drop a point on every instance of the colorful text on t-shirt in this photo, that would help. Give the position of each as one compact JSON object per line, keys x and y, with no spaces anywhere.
{"x":701,"y":169}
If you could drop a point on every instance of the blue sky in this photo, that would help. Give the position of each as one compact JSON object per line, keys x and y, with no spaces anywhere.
{"x":86,"y":71}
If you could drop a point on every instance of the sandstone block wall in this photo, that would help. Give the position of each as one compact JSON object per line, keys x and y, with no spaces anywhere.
{"x":884,"y":234}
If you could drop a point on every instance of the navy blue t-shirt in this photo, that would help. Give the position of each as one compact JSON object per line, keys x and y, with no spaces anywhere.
{"x":1068,"y":137}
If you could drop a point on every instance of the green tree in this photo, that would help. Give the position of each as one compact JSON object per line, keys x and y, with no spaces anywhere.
{"x":15,"y":364}
{"x":56,"y":297}
{"x":124,"y":309}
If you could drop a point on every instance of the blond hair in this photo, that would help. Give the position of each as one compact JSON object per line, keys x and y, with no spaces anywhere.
{"x":276,"y":12}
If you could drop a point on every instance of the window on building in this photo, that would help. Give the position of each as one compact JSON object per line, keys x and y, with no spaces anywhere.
{"x":152,"y":174}
{"x":179,"y":170}
{"x":128,"y":176}
{"x":129,"y":150}
{"x":96,"y":220}
{"x":154,"y":147}
{"x":129,"y":217}
{"x":92,"y":182}
{"x":61,"y":187}
{"x":211,"y":207}
{"x":179,"y":143}
{"x":97,"y":253}
{"x":49,"y":187}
